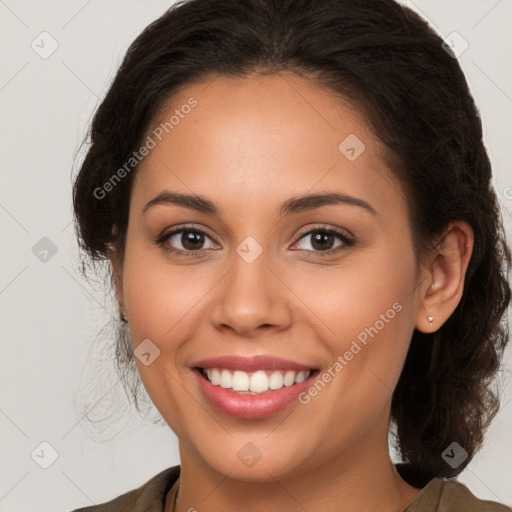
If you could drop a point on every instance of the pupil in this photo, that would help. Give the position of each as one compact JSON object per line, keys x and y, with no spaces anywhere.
{"x":192,"y":240}
{"x":321,"y":238}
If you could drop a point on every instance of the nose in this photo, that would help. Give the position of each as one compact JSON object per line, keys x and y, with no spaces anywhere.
{"x":251,"y":297}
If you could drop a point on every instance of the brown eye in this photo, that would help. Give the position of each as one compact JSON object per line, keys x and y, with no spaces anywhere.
{"x":191,"y":240}
{"x":324,"y":240}
{"x":186,"y":241}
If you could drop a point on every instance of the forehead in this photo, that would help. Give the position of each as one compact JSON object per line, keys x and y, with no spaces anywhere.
{"x":261,"y":136}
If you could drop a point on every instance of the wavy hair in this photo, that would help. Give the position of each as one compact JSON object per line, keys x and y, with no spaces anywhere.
{"x":391,"y":65}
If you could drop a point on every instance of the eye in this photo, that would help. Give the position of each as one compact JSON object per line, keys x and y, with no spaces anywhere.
{"x":323,"y":240}
{"x":190,"y":241}
{"x":186,"y":241}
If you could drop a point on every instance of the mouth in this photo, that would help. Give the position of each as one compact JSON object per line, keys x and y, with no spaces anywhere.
{"x":252,"y":387}
{"x":254,"y":383}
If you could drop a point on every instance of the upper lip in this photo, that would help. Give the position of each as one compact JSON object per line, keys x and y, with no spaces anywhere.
{"x":252,"y":363}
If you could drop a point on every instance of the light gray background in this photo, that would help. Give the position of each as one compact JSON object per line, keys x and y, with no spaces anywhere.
{"x":51,"y":317}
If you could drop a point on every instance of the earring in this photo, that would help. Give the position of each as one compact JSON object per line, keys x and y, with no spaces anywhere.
{"x":430,"y":319}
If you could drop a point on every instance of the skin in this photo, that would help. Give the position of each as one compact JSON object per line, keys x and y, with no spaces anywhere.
{"x":249,"y":145}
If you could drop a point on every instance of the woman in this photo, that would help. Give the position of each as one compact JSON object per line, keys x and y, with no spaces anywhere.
{"x":296,"y":205}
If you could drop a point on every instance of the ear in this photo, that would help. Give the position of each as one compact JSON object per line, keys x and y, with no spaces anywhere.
{"x":443,"y":276}
{"x":116,"y":262}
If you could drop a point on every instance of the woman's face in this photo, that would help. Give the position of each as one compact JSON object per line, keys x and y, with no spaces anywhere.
{"x":269,"y":278}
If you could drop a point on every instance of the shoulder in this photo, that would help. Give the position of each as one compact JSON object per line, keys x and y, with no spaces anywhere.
{"x":455,"y":496}
{"x":449,"y":495}
{"x":149,"y":497}
{"x":443,"y":494}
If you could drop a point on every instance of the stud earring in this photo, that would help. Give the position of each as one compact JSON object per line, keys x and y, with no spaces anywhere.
{"x":430,"y":319}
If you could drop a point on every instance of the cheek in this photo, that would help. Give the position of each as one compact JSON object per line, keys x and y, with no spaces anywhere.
{"x":158,"y":296}
{"x":160,"y":301}
{"x":363,"y":292}
{"x":366,"y":319}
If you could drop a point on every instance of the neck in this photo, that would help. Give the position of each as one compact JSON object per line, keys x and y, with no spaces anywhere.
{"x":346,"y":482}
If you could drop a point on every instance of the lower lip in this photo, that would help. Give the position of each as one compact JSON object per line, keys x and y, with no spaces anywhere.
{"x":251,"y":406}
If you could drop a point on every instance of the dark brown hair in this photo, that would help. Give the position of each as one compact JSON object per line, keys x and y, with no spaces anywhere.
{"x":387,"y":61}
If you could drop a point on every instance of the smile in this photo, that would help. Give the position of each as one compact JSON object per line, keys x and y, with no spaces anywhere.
{"x":256,"y":382}
{"x":253,"y":387}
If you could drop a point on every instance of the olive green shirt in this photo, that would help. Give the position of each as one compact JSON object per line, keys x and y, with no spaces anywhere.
{"x":436,"y":495}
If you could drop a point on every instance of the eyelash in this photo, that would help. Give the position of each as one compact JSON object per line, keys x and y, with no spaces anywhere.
{"x":347,"y":241}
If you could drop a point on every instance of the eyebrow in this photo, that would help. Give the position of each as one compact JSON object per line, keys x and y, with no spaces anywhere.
{"x":293,"y":205}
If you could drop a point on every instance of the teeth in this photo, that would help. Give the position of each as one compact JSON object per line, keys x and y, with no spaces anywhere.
{"x":225,"y":379}
{"x":240,"y":381}
{"x":215,"y":376}
{"x":275,"y":381}
{"x":301,"y":376}
{"x":259,"y":382}
{"x":289,"y":378}
{"x":254,"y":382}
